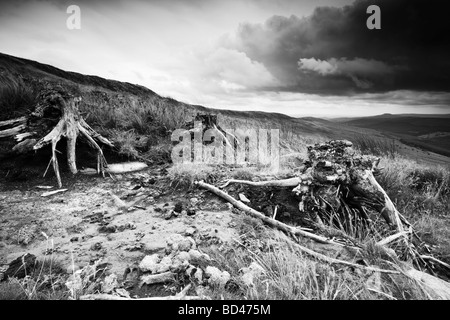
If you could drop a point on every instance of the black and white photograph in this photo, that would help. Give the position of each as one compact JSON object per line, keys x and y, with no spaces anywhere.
{"x":224,"y":155}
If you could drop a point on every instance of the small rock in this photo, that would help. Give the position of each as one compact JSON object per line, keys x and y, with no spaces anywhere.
{"x":183,"y":256}
{"x":74,"y":239}
{"x":96,"y":246}
{"x":194,"y":201}
{"x":72,"y":268}
{"x":122,"y":292}
{"x":198,"y":275}
{"x":110,"y":283}
{"x":243,"y":198}
{"x":186,"y":244}
{"x":189,"y":231}
{"x":149,"y":263}
{"x":178,"y":207}
{"x":183,"y":212}
{"x":191,"y":212}
{"x":197,"y":257}
{"x":217,"y":277}
{"x":201,"y":291}
{"x":164,"y":265}
{"x":173,"y":241}
{"x":250,"y":273}
{"x":155,"y":246}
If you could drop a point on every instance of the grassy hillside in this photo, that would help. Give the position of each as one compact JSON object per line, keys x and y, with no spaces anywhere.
{"x":139,"y":122}
{"x":426,"y":132}
{"x":137,"y":119}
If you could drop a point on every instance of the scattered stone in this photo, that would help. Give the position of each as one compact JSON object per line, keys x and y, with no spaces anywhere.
{"x":183,"y":212}
{"x":194,"y":201}
{"x":179,"y":266}
{"x":109,"y":283}
{"x":191,"y":212}
{"x":72,"y":268}
{"x":122,"y":292}
{"x":107,"y":229}
{"x":178,"y":207}
{"x":249,"y":274}
{"x":183,"y":256}
{"x":135,"y":247}
{"x":198,"y":275}
{"x":21,"y":266}
{"x":217,"y":277}
{"x":149,"y":263}
{"x":126,"y":226}
{"x":74,"y":239}
{"x":189,"y":231}
{"x":96,"y":246}
{"x":197,"y":257}
{"x":201,"y":292}
{"x":164,"y":265}
{"x":173,"y":242}
{"x":186,"y":244}
{"x":243,"y":198}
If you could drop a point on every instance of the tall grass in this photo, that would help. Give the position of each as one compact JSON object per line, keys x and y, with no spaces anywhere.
{"x":16,"y":97}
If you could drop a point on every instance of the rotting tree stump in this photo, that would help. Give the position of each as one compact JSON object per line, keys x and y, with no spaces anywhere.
{"x":336,"y":185}
{"x":55,"y":116}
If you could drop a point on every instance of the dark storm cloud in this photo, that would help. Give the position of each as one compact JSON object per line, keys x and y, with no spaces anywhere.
{"x":332,"y":50}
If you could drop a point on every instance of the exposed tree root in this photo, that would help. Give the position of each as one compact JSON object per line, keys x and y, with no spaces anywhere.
{"x":71,"y":126}
{"x":275,"y":223}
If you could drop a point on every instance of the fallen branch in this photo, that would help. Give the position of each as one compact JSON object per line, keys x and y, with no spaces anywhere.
{"x":20,"y":120}
{"x":432,"y":285}
{"x":392,"y":238}
{"x":50,"y":193}
{"x":292,"y":182}
{"x":268,"y":220}
{"x":179,"y":296}
{"x":157,"y":278}
{"x":435,"y":260}
{"x":342,"y":262}
{"x":13,"y":131}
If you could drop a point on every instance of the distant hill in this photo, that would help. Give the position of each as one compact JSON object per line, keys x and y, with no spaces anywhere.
{"x":129,"y":113}
{"x":426,"y":131}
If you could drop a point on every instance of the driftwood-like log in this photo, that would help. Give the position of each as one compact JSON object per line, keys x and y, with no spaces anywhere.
{"x":157,"y":278}
{"x":259,"y":215}
{"x":179,"y":296}
{"x":292,"y":182}
{"x":12,"y":122}
{"x":330,"y":260}
{"x":437,"y":288}
{"x":12,"y":131}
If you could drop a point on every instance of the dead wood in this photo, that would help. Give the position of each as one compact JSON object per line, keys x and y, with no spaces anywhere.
{"x":11,"y":122}
{"x":342,"y":262}
{"x":259,"y":215}
{"x":434,"y":286}
{"x":292,"y":182}
{"x":179,"y":296}
{"x":59,"y":111}
{"x":157,"y":278}
{"x":12,"y":131}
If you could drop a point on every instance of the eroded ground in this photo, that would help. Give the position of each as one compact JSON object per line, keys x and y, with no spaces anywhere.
{"x":85,"y":223}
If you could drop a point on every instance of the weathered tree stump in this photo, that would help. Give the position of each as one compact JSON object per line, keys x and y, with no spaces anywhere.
{"x":55,"y":116}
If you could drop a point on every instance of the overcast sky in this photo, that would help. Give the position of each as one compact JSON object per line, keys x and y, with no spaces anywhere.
{"x":299,"y":57}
